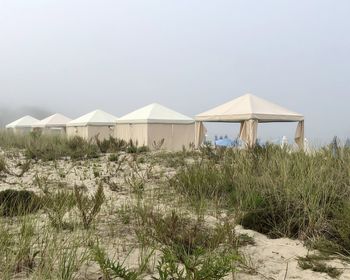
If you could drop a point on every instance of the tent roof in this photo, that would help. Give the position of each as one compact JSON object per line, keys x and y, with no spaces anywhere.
{"x":55,"y":120}
{"x":97,"y":117}
{"x":155,"y":113}
{"x":26,"y":121}
{"x":249,"y":107}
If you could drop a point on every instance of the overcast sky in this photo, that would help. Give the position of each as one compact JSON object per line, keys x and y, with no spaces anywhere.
{"x":73,"y":56}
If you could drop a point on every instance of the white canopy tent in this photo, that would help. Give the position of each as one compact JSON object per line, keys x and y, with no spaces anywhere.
{"x":154,"y":124}
{"x":96,"y":123}
{"x":249,"y":110}
{"x":22,"y":125}
{"x":52,"y":124}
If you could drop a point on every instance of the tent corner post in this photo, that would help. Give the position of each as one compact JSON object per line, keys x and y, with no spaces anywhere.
{"x":248,"y":132}
{"x":199,"y":134}
{"x":300,"y":135}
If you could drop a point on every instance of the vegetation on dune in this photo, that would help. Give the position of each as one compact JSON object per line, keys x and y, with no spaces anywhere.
{"x":191,"y":250}
{"x":89,"y":207}
{"x":316,"y":263}
{"x":61,"y":231}
{"x":18,"y":203}
{"x":276,"y":192}
{"x":52,"y":147}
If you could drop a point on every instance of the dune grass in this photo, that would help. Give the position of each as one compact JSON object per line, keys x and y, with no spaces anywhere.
{"x":39,"y":146}
{"x":276,"y":192}
{"x":268,"y":189}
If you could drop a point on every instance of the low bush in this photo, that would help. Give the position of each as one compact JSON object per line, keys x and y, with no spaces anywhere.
{"x":316,"y":263}
{"x":113,"y":158}
{"x":182,"y":233}
{"x":57,"y":205}
{"x":111,"y":145}
{"x":190,"y":248}
{"x":111,"y":269}
{"x":133,"y":148}
{"x":200,"y":266}
{"x":49,"y":148}
{"x":88,"y":206}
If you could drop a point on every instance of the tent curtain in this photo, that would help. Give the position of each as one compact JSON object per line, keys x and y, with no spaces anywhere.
{"x":299,"y":135}
{"x":248,"y":132}
{"x":200,"y":134}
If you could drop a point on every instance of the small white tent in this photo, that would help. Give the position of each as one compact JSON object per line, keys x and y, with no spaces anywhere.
{"x":154,"y":124}
{"x":249,"y":110}
{"x":55,"y":124}
{"x":22,"y":125}
{"x":96,"y":123}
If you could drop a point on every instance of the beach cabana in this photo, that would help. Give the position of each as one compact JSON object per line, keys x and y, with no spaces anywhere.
{"x":250,"y":110}
{"x":155,"y":124}
{"x":55,"y":124}
{"x":96,"y":123}
{"x":22,"y":125}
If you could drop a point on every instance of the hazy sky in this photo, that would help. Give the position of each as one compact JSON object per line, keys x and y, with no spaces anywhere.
{"x":73,"y":56}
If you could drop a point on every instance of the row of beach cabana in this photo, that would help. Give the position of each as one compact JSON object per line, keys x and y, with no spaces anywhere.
{"x":156,"y":124}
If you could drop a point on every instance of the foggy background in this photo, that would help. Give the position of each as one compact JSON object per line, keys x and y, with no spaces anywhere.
{"x":74,"y":56}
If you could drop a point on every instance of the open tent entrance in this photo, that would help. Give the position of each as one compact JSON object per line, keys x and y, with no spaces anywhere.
{"x":249,"y":111}
{"x":228,"y":134}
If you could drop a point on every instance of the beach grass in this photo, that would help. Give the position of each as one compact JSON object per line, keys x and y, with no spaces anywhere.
{"x":123,"y":212}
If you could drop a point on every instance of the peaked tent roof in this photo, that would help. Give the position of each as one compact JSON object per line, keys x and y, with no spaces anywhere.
{"x":155,"y":113}
{"x":249,"y":107}
{"x":26,"y":121}
{"x":55,"y":120}
{"x":97,"y":117}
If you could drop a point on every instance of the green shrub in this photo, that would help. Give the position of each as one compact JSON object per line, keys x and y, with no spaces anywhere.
{"x":78,"y":148}
{"x":111,"y":145}
{"x":113,"y":158}
{"x":18,"y":203}
{"x":109,"y":268}
{"x":89,"y":207}
{"x":191,"y":249}
{"x":315,"y":263}
{"x":133,"y":148}
{"x":117,"y":145}
{"x":200,"y":266}
{"x":57,"y":205}
{"x":184,"y":234}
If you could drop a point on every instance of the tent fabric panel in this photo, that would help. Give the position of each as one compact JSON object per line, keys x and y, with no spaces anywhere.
{"x":90,"y":132}
{"x":102,"y":132}
{"x":299,"y":134}
{"x":80,"y":131}
{"x":54,"y":131}
{"x":248,"y":132}
{"x":158,"y":132}
{"x":200,"y":132}
{"x":176,"y":136}
{"x":183,"y":136}
{"x":135,"y":132}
